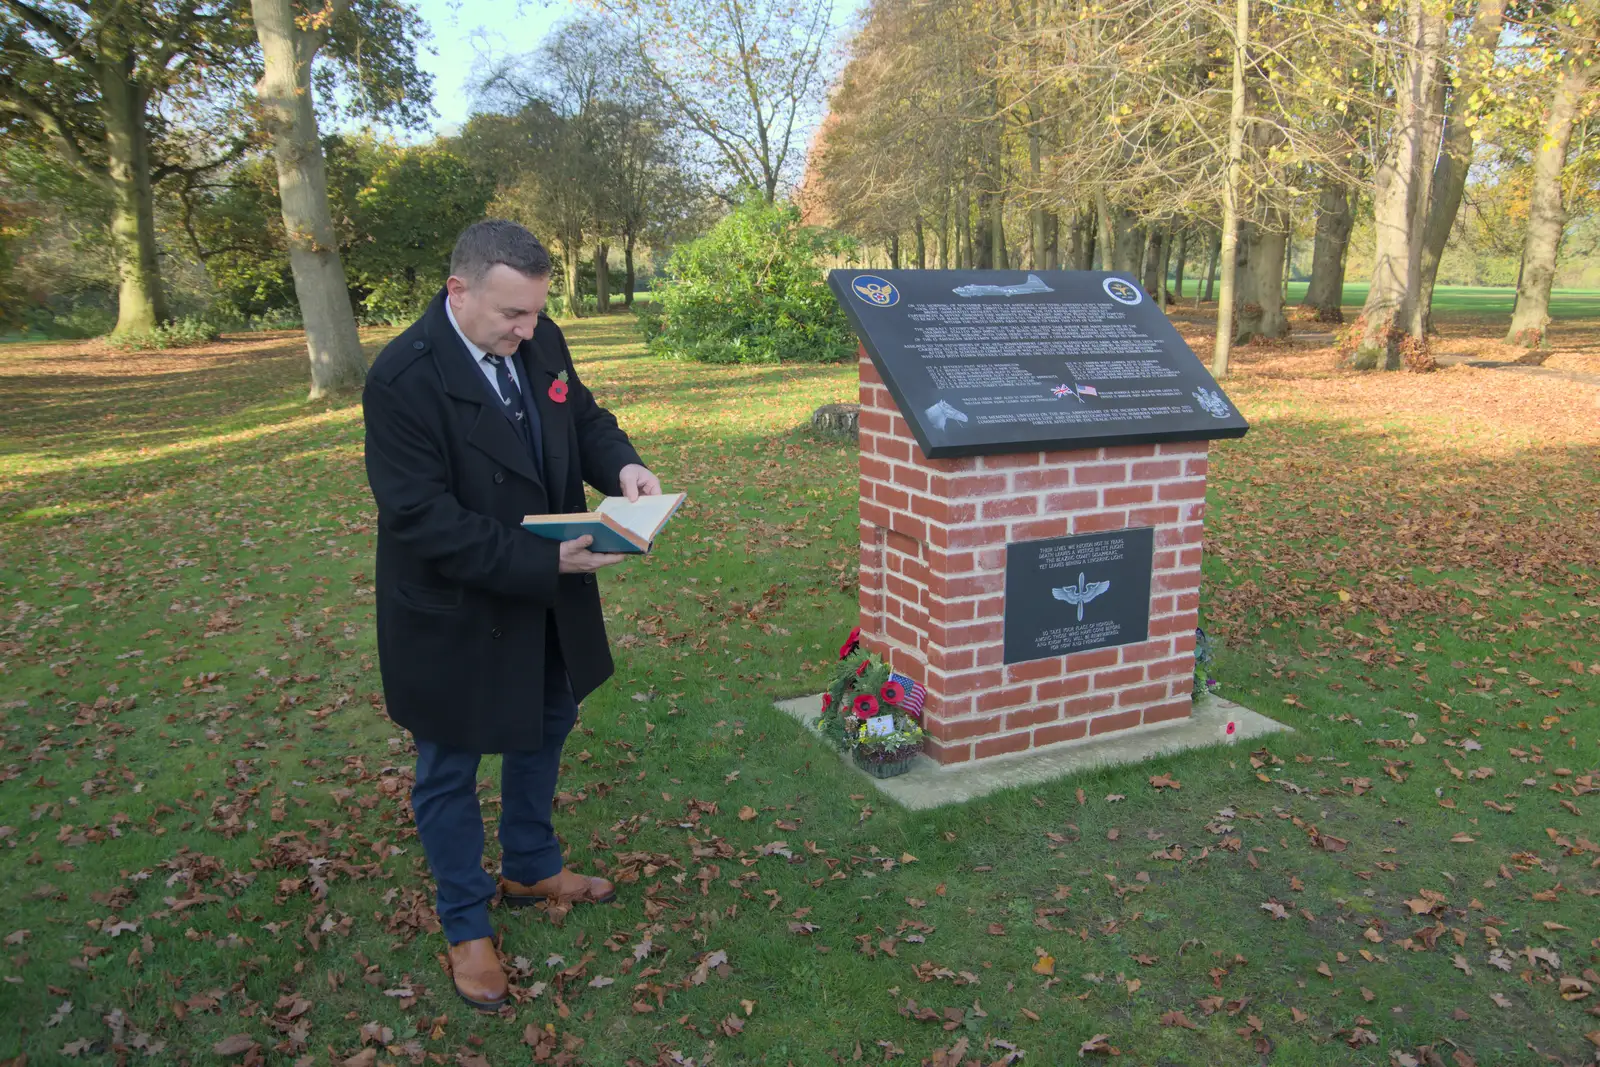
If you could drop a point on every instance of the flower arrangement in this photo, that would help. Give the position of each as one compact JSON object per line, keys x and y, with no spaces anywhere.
{"x":872,"y":712}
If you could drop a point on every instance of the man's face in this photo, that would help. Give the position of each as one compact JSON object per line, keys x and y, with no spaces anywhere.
{"x":499,"y":312}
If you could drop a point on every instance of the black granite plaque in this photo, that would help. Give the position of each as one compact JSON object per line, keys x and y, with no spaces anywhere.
{"x":1071,"y":594}
{"x":987,"y":362}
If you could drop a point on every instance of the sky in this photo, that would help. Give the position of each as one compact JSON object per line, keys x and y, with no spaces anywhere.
{"x":466,"y":33}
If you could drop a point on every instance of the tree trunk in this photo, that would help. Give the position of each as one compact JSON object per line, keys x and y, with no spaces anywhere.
{"x":921,"y":246}
{"x":1166,"y":270}
{"x":1547,"y":213}
{"x":571,"y":251}
{"x":964,"y":257}
{"x":983,"y":236}
{"x":1325,"y":292}
{"x":1091,"y":242}
{"x":1229,"y":249}
{"x":1154,"y":283}
{"x":284,"y":92}
{"x":1052,"y":241}
{"x":1127,"y":241}
{"x":1432,"y":137}
{"x":1102,"y":220}
{"x":602,"y":277}
{"x":631,"y":276}
{"x":944,"y":240}
{"x":1036,"y":220}
{"x":1455,"y":158}
{"x":141,"y":303}
{"x":997,"y":231}
{"x":1397,"y":207}
{"x":1039,"y":238}
{"x":1213,"y":255}
{"x":1258,"y":299}
{"x":1182,"y":257}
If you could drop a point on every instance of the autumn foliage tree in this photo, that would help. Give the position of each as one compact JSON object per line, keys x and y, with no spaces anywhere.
{"x":1134,"y":136}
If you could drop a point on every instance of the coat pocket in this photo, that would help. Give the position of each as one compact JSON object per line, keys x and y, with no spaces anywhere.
{"x":429,"y":598}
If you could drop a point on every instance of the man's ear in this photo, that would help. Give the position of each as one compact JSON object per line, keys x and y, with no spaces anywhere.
{"x":455,"y":287}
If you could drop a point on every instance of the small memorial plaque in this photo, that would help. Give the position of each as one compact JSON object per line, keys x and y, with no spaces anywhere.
{"x":990,"y":362}
{"x":1073,"y":594}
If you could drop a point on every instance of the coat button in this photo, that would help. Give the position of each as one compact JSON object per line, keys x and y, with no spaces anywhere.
{"x":588,"y":579}
{"x":418,"y":345}
{"x":499,"y":476}
{"x":496,"y":633}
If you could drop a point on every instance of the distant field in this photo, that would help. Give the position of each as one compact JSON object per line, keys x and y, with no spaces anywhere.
{"x":1475,"y":300}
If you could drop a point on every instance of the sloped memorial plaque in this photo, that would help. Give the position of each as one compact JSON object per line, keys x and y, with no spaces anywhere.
{"x":994,"y":362}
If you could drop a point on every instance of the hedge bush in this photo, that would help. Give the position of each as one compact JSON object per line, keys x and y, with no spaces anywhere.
{"x":750,"y":291}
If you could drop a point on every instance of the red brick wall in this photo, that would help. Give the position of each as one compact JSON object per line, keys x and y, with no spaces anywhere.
{"x":933,"y":537}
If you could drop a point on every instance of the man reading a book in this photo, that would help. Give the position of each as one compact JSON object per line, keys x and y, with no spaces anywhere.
{"x":489,"y":636}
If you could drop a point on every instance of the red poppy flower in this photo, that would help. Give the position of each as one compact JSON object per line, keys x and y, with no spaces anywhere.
{"x":863,"y":668}
{"x":892,"y":692}
{"x":558,"y":392}
{"x":850,"y":643}
{"x":827,"y":701}
{"x":866,"y":706}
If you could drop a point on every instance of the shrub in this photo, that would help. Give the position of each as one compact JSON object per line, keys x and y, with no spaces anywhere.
{"x":287,"y":318}
{"x":186,"y":332}
{"x":750,"y":291}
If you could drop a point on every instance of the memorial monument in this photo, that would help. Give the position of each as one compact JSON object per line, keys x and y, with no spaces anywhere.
{"x":1033,"y":470}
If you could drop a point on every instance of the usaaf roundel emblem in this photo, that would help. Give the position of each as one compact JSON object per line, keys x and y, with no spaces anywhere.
{"x":879,"y":292}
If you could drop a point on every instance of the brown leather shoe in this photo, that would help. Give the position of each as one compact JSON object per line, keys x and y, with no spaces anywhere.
{"x":568,"y":887}
{"x":479,"y":978}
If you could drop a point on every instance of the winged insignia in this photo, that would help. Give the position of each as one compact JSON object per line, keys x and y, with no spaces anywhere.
{"x":1081,"y":593}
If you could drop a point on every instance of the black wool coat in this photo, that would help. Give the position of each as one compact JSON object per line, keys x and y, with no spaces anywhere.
{"x":466,"y":598}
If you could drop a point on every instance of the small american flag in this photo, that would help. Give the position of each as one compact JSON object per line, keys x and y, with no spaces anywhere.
{"x":915,"y":694}
{"x":1087,"y":390}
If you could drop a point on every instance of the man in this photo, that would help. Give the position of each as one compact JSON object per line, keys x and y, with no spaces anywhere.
{"x":488,"y":636}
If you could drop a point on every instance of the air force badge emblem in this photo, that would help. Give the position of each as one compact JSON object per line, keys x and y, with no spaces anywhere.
{"x":879,"y":292}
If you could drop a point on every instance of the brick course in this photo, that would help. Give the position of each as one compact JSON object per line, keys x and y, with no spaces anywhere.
{"x":933,"y":537}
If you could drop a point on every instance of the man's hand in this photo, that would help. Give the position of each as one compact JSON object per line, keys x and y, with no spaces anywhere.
{"x":638,"y":482}
{"x":577,"y":559}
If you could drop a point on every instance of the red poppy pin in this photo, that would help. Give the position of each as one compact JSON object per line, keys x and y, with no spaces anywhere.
{"x":558,"y":388}
{"x":892,"y":692}
{"x":866,"y":706}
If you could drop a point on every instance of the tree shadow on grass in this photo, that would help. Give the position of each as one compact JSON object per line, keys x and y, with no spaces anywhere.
{"x":61,"y":401}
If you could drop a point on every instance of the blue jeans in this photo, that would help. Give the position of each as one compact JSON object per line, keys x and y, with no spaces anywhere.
{"x":450,"y":824}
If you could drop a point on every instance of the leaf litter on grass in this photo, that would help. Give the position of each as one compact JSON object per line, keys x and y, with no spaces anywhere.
{"x":230,"y":796}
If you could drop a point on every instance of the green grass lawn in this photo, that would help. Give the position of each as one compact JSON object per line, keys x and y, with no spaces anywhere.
{"x":1456,"y":301}
{"x":207,"y":844}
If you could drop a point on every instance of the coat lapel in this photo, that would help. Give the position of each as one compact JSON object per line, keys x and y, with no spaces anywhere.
{"x":492,"y":433}
{"x":543,"y":367}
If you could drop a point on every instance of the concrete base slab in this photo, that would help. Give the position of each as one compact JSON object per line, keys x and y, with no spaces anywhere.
{"x":931,"y":785}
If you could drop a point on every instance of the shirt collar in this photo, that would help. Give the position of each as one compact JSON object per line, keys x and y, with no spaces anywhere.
{"x":476,"y":352}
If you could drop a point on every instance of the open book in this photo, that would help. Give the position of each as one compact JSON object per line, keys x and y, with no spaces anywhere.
{"x":616,"y":525}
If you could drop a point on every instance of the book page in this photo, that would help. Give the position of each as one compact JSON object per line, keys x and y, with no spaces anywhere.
{"x":644,"y":516}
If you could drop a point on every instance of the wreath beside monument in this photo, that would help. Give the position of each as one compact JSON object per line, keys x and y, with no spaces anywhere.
{"x":873,"y":712}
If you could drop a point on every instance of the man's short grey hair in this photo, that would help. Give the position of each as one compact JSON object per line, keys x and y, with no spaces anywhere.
{"x":483,"y":244}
